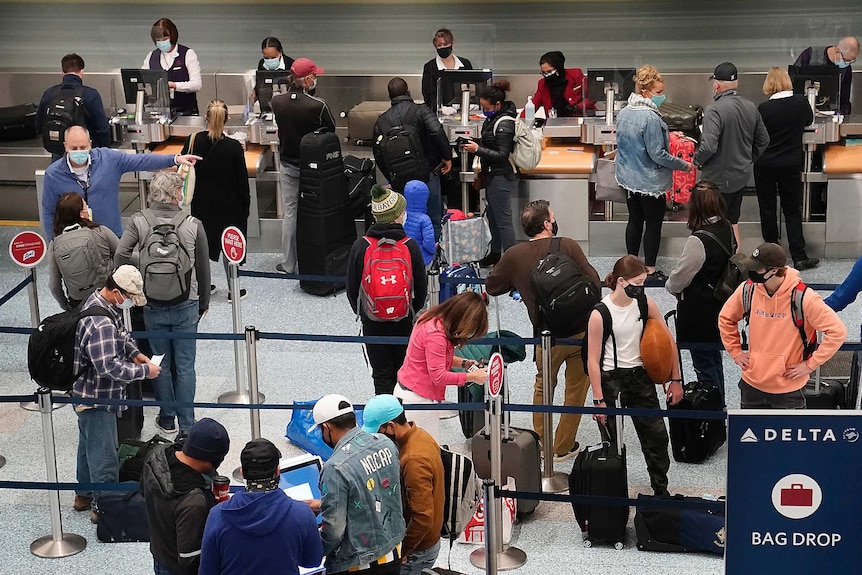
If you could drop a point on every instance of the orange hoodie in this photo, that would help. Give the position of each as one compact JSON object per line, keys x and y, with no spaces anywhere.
{"x":773,"y":340}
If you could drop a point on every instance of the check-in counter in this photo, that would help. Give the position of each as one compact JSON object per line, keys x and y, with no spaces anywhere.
{"x":563,"y":178}
{"x":842,"y":166}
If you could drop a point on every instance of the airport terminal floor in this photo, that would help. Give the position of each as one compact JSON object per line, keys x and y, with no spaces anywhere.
{"x":290,"y":371}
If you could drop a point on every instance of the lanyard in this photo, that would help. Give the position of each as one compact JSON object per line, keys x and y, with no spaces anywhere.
{"x":84,"y":185}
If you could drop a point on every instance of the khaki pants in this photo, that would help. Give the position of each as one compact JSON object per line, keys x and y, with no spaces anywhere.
{"x":577,"y":384}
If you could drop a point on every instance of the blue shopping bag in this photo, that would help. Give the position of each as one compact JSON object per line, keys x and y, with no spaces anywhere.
{"x":311,"y":441}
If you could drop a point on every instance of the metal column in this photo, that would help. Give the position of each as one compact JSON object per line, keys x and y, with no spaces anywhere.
{"x":552,"y":481}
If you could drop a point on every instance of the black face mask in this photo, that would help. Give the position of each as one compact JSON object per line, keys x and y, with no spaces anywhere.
{"x":444,"y":52}
{"x":633,"y":291}
{"x":323,"y":437}
{"x":759,"y":278}
{"x":554,"y":227}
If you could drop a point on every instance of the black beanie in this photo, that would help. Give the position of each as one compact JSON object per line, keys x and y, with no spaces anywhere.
{"x":207,"y":441}
{"x":555,"y":59}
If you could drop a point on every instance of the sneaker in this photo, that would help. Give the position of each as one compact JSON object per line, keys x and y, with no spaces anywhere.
{"x":806,"y":264}
{"x":212,"y":288}
{"x":166,"y":425}
{"x":280,"y":269}
{"x":242,"y":295}
{"x":490,"y":260}
{"x":82,"y":503}
{"x":657,"y":276}
{"x":569,"y":454}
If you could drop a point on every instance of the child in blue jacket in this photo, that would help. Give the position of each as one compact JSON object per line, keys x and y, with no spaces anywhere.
{"x":418,"y":225}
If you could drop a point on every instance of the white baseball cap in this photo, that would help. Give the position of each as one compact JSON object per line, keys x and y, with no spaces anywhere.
{"x":328,"y":408}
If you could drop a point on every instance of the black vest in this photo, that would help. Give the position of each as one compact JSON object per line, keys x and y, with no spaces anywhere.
{"x":182,"y":103}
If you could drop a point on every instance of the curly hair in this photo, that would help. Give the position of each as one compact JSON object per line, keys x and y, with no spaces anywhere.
{"x":645,"y":76}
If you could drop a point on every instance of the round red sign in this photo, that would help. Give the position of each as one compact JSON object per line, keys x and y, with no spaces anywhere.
{"x":27,"y":249}
{"x":495,"y":374}
{"x":233,"y":245}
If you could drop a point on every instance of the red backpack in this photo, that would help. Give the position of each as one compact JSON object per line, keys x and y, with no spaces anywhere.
{"x":387,"y":279}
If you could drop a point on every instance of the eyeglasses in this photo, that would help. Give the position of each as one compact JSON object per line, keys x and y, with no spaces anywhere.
{"x":850,"y":61}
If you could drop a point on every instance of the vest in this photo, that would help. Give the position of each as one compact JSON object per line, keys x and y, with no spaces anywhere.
{"x":182,"y":103}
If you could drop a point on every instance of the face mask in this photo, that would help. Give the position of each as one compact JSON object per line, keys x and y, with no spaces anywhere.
{"x":658,"y":99}
{"x":759,"y":278}
{"x":271,"y":63}
{"x":554,"y":227}
{"x":634,"y":291}
{"x":327,"y":441}
{"x":489,"y":113}
{"x":87,"y":214}
{"x":127,"y":303}
{"x":404,"y":221}
{"x":79,"y":156}
{"x":164,"y":45}
{"x":444,"y":52}
{"x":208,"y":477}
{"x":313,"y":86}
{"x":549,"y":74}
{"x":841,"y":63}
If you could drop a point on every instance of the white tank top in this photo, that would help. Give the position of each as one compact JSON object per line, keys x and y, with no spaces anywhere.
{"x":627,"y":330}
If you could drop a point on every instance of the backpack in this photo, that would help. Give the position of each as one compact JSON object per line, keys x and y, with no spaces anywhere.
{"x":51,"y":349}
{"x":809,"y":346}
{"x":401,"y":152}
{"x":165,"y":264}
{"x":80,"y":261}
{"x":64,"y":110}
{"x":527,"y":152}
{"x":461,"y":492}
{"x":608,"y":331}
{"x":732,"y":275}
{"x":386,"y":290}
{"x":564,"y":294}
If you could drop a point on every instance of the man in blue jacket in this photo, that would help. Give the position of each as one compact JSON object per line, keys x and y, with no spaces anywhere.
{"x":260,"y":530}
{"x":94,"y":173}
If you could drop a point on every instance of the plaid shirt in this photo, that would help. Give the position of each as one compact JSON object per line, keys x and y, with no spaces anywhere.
{"x":105,"y":349}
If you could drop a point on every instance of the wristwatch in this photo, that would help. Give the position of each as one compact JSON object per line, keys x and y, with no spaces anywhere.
{"x":598,"y":401}
{"x":463,"y":364}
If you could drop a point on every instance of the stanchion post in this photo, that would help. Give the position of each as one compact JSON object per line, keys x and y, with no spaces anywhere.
{"x":35,"y":320}
{"x":251,"y":337}
{"x":240,"y":395}
{"x":493,"y":543}
{"x":57,"y":544}
{"x":552,"y":482}
{"x":433,"y":286}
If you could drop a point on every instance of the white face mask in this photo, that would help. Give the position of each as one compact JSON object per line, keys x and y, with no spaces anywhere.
{"x":127,"y":303}
{"x":404,"y":220}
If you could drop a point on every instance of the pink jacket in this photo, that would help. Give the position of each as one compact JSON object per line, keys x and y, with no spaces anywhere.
{"x":426,"y":369}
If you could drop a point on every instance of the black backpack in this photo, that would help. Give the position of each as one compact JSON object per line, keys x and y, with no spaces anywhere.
{"x":401,"y":153}
{"x":732,"y":275}
{"x":564,"y":294}
{"x":51,"y":350}
{"x":64,"y":110}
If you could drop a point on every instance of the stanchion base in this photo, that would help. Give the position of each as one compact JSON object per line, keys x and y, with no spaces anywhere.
{"x":33,"y":406}
{"x":2,"y":461}
{"x":235,"y":397}
{"x":510,"y":558}
{"x":237,"y":475}
{"x":48,"y":548}
{"x":557,"y":483}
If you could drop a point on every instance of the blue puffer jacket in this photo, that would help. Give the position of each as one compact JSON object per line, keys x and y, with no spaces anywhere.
{"x":418,"y":225}
{"x":644,"y":163}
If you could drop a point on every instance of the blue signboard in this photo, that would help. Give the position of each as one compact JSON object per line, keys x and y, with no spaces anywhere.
{"x":793,"y":500}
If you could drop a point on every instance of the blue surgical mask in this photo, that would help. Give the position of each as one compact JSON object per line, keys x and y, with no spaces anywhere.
{"x":164,"y":45}
{"x":79,"y":156}
{"x":127,"y":303}
{"x":658,"y":99}
{"x":489,"y":113}
{"x":841,"y":63}
{"x":271,"y":63}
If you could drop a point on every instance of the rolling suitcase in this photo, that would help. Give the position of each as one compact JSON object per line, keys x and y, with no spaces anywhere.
{"x":682,"y":147}
{"x":682,"y":118}
{"x":694,"y":440}
{"x":361,"y":119}
{"x":322,"y":183}
{"x":131,"y":421}
{"x":600,"y":470}
{"x":18,"y":122}
{"x":835,"y":384}
{"x":520,"y":457}
{"x":467,"y":273}
{"x":679,"y":530}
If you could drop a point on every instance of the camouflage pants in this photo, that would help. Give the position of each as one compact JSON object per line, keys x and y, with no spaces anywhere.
{"x":636,"y":390}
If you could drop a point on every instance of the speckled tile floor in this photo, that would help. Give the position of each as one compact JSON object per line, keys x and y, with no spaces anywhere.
{"x":291,"y":371}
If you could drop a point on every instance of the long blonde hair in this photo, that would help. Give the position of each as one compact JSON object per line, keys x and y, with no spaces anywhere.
{"x":216,"y":118}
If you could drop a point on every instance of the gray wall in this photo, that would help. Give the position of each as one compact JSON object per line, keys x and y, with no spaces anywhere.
{"x":363,"y":37}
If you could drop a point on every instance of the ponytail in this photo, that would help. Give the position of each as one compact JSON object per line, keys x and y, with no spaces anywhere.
{"x":216,"y":118}
{"x":627,"y":267}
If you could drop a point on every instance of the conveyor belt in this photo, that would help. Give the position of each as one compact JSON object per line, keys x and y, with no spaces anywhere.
{"x":253,"y":153}
{"x":842,"y":160}
{"x":559,"y":160}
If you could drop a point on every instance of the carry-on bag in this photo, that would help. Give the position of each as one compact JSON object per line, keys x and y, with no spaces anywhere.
{"x":464,"y":239}
{"x":18,"y":122}
{"x":122,"y":517}
{"x":132,"y":454}
{"x":466,"y":272}
{"x":680,"y":530}
{"x":130,"y":422}
{"x":607,"y":188}
{"x":361,"y":177}
{"x":682,"y":118}
{"x":361,"y":119}
{"x":600,"y":470}
{"x":322,"y":183}
{"x":521,"y":459}
{"x":683,"y":148}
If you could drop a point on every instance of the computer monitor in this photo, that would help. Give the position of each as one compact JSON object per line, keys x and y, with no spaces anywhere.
{"x":300,"y":477}
{"x":452,"y":83}
{"x":268,"y":83}
{"x":154,"y":85}
{"x":828,"y":78}
{"x":621,"y":78}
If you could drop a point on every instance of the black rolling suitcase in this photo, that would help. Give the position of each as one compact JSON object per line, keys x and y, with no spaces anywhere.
{"x":18,"y":122}
{"x":472,"y":422}
{"x":322,"y":183}
{"x":600,"y":470}
{"x":835,"y":384}
{"x":131,"y":421}
{"x":694,"y":440}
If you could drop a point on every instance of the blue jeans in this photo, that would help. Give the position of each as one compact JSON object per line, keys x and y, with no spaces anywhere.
{"x":419,"y":560}
{"x":708,"y":367}
{"x":159,"y":569}
{"x":177,"y":380}
{"x":499,"y":192}
{"x":434,"y":207}
{"x":97,"y":449}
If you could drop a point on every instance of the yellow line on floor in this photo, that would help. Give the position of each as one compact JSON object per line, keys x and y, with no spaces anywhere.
{"x":20,"y":223}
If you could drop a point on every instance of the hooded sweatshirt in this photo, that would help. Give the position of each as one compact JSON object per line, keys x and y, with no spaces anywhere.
{"x":418,"y":225}
{"x":774,"y":341}
{"x":260,"y":532}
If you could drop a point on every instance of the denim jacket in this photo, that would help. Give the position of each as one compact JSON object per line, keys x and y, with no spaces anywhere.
{"x":360,"y":501}
{"x":644,"y":162}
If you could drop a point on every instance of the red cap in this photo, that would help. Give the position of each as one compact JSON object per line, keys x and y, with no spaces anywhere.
{"x":303,"y":67}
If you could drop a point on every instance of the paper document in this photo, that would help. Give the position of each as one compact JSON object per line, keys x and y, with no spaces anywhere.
{"x":300,"y":492}
{"x":157,"y":359}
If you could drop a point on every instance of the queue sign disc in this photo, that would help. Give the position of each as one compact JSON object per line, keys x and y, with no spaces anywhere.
{"x":495,"y":374}
{"x":233,"y":244}
{"x":27,"y":249}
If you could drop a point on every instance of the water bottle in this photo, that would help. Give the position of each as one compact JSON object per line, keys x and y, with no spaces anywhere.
{"x":529,"y":112}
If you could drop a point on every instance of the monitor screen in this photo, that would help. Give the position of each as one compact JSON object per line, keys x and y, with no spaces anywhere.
{"x":622,"y":78}
{"x":452,"y":84}
{"x":268,"y":83}
{"x":300,"y":477}
{"x":154,"y":84}
{"x":829,"y":78}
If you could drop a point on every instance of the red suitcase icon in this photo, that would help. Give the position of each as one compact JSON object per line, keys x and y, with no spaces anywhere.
{"x":797,"y":496}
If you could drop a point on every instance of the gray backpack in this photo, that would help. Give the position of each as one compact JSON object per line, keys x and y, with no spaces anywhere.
{"x":80,"y":261}
{"x":166,"y":264}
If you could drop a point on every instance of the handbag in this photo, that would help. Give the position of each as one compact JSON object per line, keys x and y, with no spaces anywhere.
{"x":189,"y":176}
{"x":607,"y":188}
{"x":464,"y":239}
{"x":122,"y":517}
{"x":300,"y":432}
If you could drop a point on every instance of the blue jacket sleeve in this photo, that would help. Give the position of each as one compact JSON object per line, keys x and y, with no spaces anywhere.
{"x":429,"y":243}
{"x":139,"y":162}
{"x":210,"y":554}
{"x":333,"y":508}
{"x":312,"y":548}
{"x":50,"y":196}
{"x":656,"y":148}
{"x":97,"y":122}
{"x":846,"y":293}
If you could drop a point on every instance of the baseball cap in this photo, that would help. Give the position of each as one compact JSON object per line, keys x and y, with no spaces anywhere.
{"x":303,"y":67}
{"x":207,"y":441}
{"x":380,"y":409}
{"x":129,"y":279}
{"x":765,"y":256}
{"x":259,"y":459}
{"x":328,"y":408}
{"x":725,"y":72}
